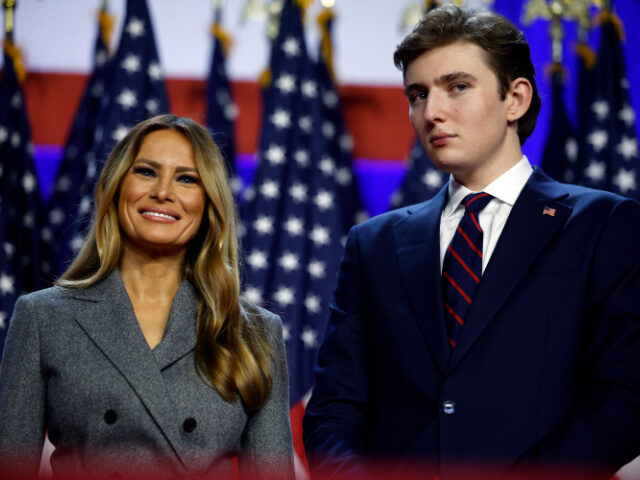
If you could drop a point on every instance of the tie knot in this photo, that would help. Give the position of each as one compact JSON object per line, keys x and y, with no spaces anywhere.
{"x":475,"y":202}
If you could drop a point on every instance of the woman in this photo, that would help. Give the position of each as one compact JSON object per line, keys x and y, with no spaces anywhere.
{"x":143,"y":359}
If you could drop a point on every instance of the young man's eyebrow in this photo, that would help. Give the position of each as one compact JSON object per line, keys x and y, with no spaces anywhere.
{"x":413,"y":86}
{"x":452,"y":77}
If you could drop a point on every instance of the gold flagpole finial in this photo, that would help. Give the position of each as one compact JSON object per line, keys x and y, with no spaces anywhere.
{"x":8,"y":5}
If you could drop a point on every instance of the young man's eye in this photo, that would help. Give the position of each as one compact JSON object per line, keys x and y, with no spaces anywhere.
{"x":417,"y":97}
{"x":144,"y":171}
{"x":459,"y":87}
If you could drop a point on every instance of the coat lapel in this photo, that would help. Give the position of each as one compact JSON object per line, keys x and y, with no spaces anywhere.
{"x":525,"y":234}
{"x":107,"y":316}
{"x":417,"y":246}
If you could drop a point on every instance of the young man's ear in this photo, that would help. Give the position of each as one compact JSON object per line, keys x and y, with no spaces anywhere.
{"x":518,"y":98}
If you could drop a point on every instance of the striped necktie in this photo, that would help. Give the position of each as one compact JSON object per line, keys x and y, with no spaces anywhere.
{"x":462,"y":267}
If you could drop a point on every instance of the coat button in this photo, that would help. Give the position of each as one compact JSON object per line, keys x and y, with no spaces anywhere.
{"x":189,"y":425}
{"x":448,"y":407}
{"x":110,"y":417}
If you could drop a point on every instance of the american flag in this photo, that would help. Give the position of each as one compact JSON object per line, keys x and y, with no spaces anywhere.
{"x":338,"y":156}
{"x":20,"y":206}
{"x":611,"y":145}
{"x":560,"y":158}
{"x":292,"y":220}
{"x":77,"y":155}
{"x":221,"y":109}
{"x":134,"y":91}
{"x":422,"y":180}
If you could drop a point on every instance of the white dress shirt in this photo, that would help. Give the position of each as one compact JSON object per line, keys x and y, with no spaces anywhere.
{"x":504,"y":190}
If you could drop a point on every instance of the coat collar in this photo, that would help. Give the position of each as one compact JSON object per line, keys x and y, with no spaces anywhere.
{"x":107,"y":317}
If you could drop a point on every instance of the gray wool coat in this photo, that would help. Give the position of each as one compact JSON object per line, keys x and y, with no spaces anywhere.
{"x":77,"y":365}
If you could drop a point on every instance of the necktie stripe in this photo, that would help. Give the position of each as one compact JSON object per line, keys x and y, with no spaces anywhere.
{"x":464,"y":265}
{"x":474,"y":198}
{"x":457,"y":287}
{"x":453,"y":314}
{"x":475,"y":222}
{"x":473,"y":247}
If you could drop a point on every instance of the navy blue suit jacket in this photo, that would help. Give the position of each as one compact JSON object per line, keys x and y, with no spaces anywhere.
{"x":547,"y":366}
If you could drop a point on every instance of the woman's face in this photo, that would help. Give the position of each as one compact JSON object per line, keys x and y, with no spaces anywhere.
{"x":161,"y":199}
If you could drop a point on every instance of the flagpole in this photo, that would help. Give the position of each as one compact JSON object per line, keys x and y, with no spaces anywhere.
{"x":8,"y":5}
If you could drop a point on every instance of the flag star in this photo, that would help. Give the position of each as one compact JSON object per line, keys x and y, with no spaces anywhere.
{"x":624,"y":83}
{"x":571,"y":149}
{"x":101,"y":58}
{"x":309,"y":88}
{"x":432,"y":178}
{"x":327,"y":165}
{"x":595,"y":171}
{"x":154,"y":71}
{"x":236,"y":184}
{"x":16,"y":100}
{"x":323,"y":199}
{"x":343,"y":176}
{"x":15,"y":139}
{"x":312,"y":303}
{"x":76,"y":243}
{"x":85,"y":205}
{"x":598,"y":139}
{"x":127,"y":99}
{"x":3,"y":134}
{"x":302,"y":157}
{"x":305,"y":123}
{"x":152,"y":105}
{"x":328,"y":130}
{"x":625,"y":180}
{"x":275,"y":154}
{"x":330,"y":99}
{"x":270,"y":189}
{"x":6,"y":284}
{"x":249,"y":193}
{"x":286,"y":332}
{"x":309,"y":337}
{"x":9,"y":249}
{"x":294,"y":226}
{"x":56,"y":216}
{"x":346,"y":143}
{"x":320,"y":235}
{"x":263,"y":224}
{"x":28,"y":220}
{"x":628,"y":147}
{"x":284,"y":296}
{"x":299,"y":192}
{"x":97,"y":90}
{"x":627,"y":115}
{"x":316,"y":268}
{"x":45,"y":234}
{"x":3,"y":317}
{"x":135,"y":28}
{"x":291,"y":47}
{"x":120,"y":132}
{"x":257,"y":260}
{"x":253,"y":294}
{"x":230,"y":111}
{"x":131,"y":63}
{"x":281,"y":119}
{"x":28,"y":182}
{"x":286,"y":83}
{"x":600,"y":108}
{"x":289,"y":261}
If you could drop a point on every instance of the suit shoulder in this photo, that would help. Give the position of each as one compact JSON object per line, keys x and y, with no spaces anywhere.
{"x":597,"y":200}
{"x":47,"y":297}
{"x":258,"y":316}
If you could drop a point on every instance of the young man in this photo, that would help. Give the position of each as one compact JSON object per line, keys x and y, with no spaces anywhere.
{"x":499,"y":322}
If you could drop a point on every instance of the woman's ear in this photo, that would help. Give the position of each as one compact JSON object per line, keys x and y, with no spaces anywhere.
{"x":518,"y":98}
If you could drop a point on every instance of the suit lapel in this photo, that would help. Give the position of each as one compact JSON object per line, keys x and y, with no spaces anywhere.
{"x":417,"y":246}
{"x":525,"y":234}
{"x":107,"y":317}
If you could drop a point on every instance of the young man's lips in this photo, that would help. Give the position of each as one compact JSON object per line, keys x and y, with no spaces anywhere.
{"x":440,"y":139}
{"x":159,"y":215}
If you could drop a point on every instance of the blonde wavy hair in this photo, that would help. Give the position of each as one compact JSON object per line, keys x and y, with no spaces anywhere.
{"x":232,"y":353}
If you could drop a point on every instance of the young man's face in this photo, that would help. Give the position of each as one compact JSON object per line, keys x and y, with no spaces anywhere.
{"x":458,"y":114}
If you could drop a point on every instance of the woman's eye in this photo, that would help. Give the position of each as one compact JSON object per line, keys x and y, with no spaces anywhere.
{"x":189,"y":179}
{"x":144,"y":171}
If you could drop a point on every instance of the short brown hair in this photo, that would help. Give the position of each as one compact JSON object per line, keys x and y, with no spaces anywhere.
{"x":507,"y":51}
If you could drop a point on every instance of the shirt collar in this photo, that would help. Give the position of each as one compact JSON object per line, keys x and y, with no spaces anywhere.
{"x":505,"y":188}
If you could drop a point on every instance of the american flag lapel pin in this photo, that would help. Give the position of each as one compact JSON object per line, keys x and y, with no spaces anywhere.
{"x":549,"y":211}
